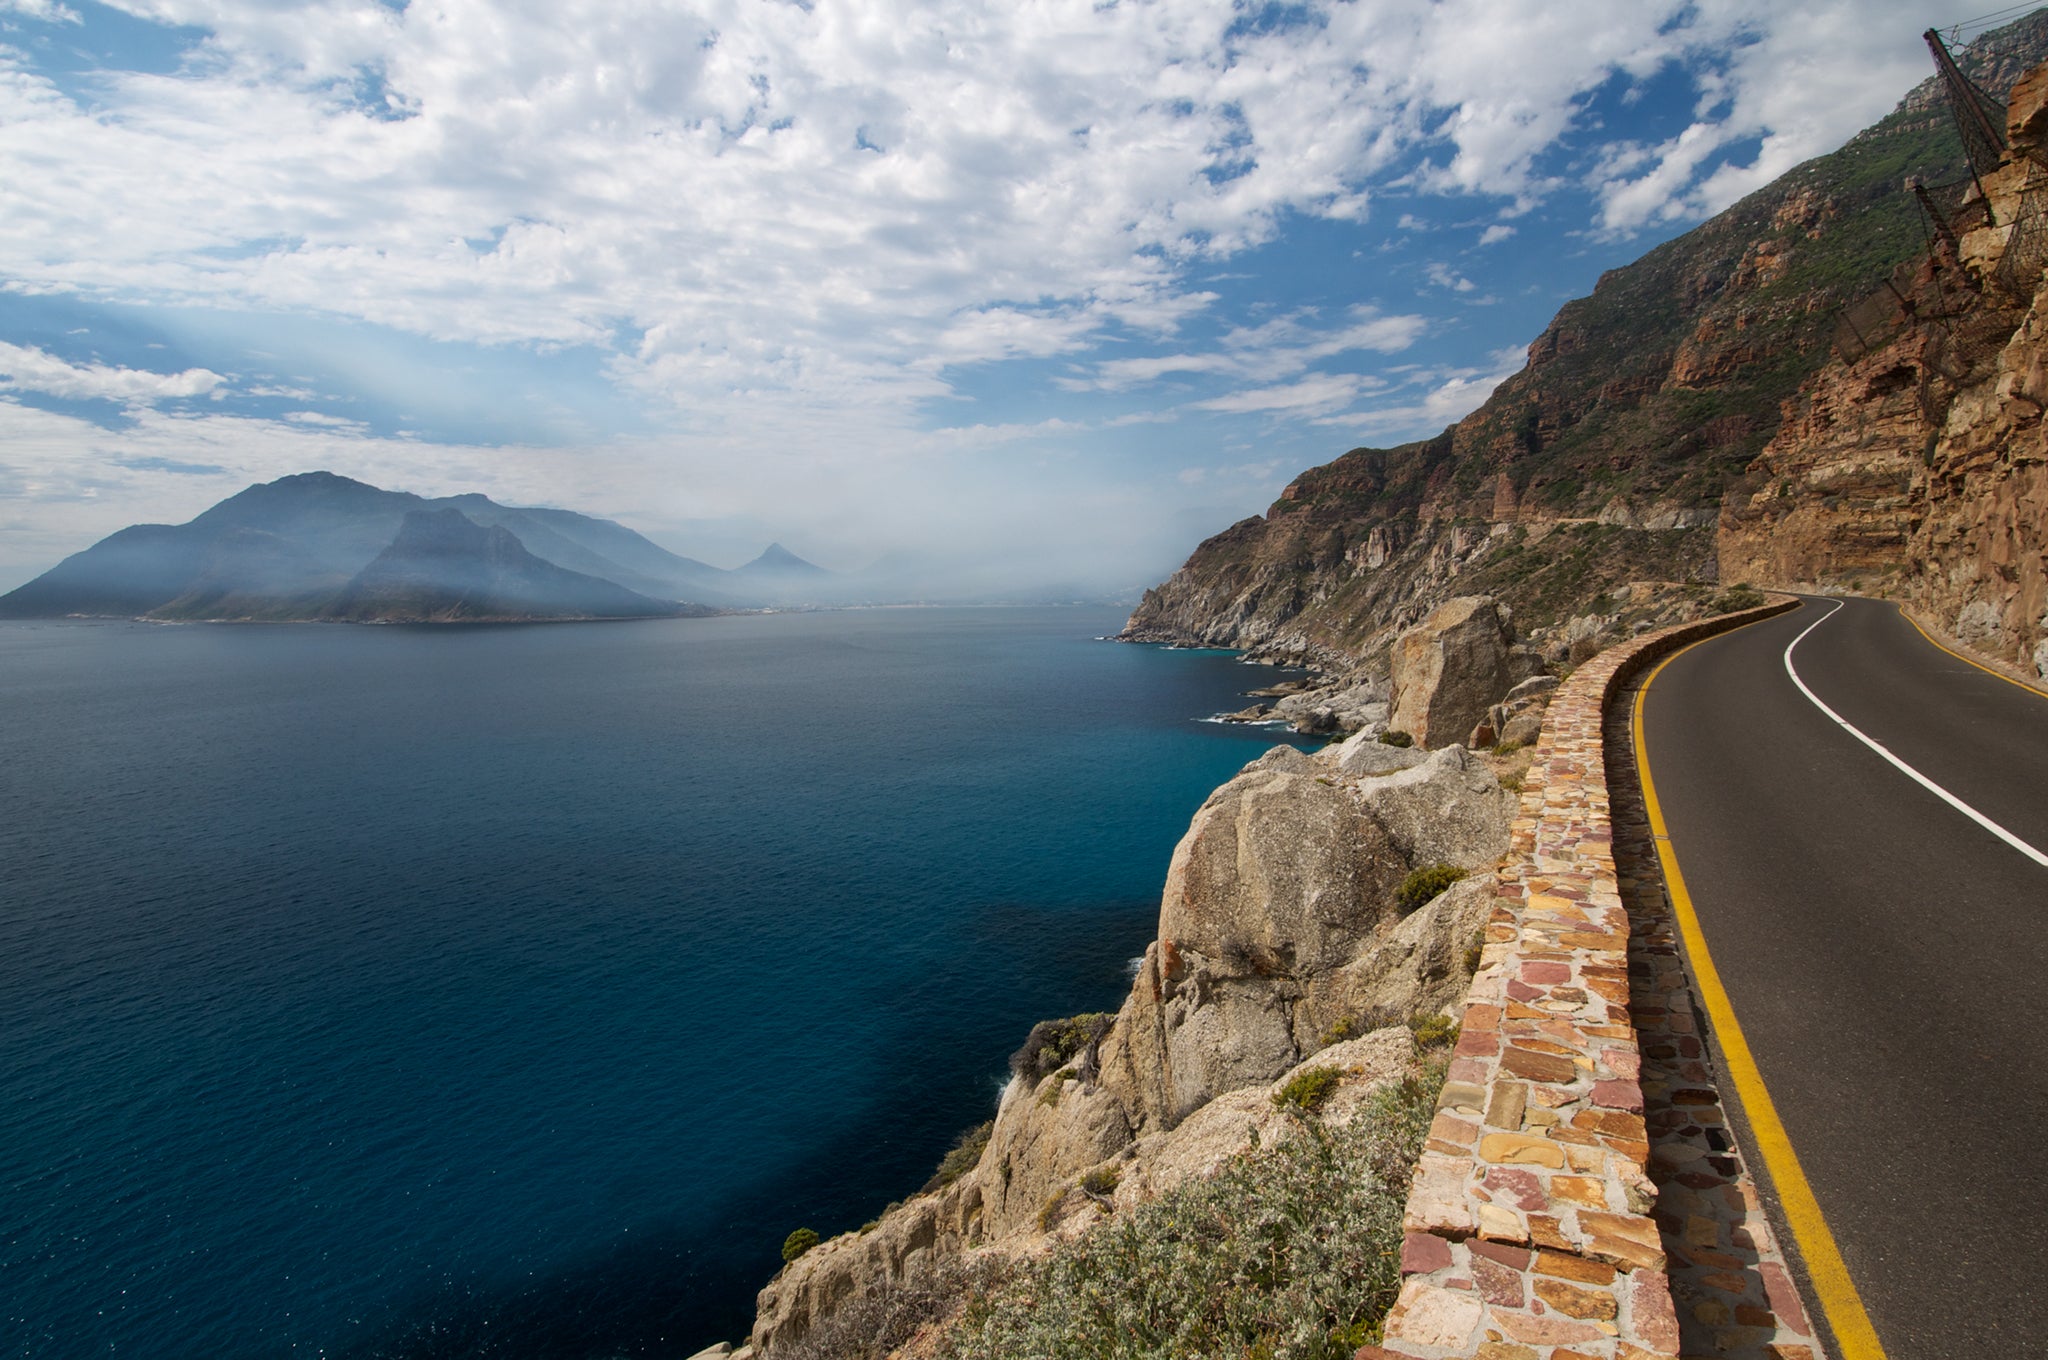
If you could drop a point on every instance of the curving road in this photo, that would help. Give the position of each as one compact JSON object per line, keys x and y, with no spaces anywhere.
{"x":1885,"y":957}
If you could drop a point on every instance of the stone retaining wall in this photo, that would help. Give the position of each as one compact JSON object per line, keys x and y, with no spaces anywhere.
{"x":1528,"y":1230}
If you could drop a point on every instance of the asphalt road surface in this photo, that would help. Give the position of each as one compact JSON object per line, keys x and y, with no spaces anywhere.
{"x":1886,"y":956}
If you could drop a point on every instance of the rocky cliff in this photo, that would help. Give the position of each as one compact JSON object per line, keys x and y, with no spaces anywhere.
{"x":1605,"y":461}
{"x":1284,"y":946}
{"x":1918,"y":466}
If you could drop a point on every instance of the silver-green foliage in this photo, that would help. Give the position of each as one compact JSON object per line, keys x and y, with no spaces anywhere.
{"x":1290,"y":1253}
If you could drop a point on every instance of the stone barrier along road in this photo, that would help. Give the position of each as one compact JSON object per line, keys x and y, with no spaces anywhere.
{"x":1528,"y":1233}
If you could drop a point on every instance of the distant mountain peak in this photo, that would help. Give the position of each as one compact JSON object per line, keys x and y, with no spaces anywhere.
{"x":780,"y":560}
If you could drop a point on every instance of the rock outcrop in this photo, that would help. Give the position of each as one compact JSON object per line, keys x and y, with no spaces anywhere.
{"x":1280,"y":944}
{"x":1452,"y":667}
{"x":1920,"y":466}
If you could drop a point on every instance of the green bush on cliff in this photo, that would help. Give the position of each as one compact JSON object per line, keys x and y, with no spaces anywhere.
{"x":797,"y":1243}
{"x":1306,"y":1091}
{"x":1052,"y":1044}
{"x":1396,"y":737}
{"x":1424,"y":884}
{"x":1291,"y":1252}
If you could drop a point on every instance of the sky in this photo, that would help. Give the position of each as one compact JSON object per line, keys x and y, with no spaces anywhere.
{"x":1050,"y":289}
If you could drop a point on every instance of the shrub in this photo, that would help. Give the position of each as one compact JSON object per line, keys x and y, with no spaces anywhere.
{"x":1506,"y":748}
{"x":1290,"y":1252}
{"x":1052,"y":1044}
{"x":1424,"y":884}
{"x":1101,"y":1181}
{"x":797,"y":1243}
{"x":1433,"y":1030}
{"x":1736,"y":598}
{"x":1345,"y":1028}
{"x":965,"y":1156}
{"x":1474,"y":950}
{"x":1395,"y":737}
{"x":1307,"y":1090}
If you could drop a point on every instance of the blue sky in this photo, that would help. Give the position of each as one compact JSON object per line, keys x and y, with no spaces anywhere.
{"x":1053,"y":288}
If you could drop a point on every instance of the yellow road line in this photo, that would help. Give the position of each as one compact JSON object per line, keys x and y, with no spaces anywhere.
{"x":1854,"y":1336}
{"x":2016,"y":684}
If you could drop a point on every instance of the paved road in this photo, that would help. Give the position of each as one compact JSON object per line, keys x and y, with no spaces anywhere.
{"x":1886,"y":957}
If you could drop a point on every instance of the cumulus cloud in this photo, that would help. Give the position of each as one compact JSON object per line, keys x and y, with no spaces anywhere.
{"x":1443,"y":276}
{"x":1495,"y":234}
{"x":813,"y":200}
{"x":33,"y":370}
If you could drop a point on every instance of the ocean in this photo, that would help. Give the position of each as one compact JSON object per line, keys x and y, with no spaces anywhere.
{"x":514,"y":991}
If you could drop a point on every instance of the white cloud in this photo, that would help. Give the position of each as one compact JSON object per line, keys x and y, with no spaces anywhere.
{"x":33,"y":370}
{"x":48,"y":11}
{"x":835,"y":202}
{"x":1443,"y":399}
{"x":1495,"y":234}
{"x":1315,"y":395}
{"x":1443,"y":276}
{"x":1276,"y":349}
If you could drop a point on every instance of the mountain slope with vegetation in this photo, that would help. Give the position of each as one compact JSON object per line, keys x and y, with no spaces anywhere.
{"x":1605,"y":460}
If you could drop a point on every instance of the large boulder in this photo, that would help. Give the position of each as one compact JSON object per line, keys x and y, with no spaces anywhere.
{"x":1450,"y":668}
{"x":1450,"y":809}
{"x":1279,"y":881}
{"x":1364,"y":753}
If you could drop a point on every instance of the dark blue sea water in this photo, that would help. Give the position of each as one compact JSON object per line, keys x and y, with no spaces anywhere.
{"x":512,"y":992}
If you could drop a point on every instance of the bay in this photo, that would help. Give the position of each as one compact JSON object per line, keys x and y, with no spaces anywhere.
{"x":514,"y":991}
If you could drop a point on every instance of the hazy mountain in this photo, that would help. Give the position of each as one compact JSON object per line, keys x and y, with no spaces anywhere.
{"x":443,"y":568}
{"x":294,"y":549}
{"x":779,"y":576}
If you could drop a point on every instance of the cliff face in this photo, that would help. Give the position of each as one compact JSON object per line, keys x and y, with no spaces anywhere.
{"x":1921,"y":467}
{"x":1605,"y":460}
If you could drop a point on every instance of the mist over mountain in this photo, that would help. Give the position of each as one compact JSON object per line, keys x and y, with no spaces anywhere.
{"x":444,"y":568}
{"x":320,"y":546}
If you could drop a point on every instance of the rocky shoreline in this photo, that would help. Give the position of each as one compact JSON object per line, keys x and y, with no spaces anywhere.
{"x":1322,"y":914}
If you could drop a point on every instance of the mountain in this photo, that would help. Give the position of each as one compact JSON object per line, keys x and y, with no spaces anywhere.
{"x":294,"y":547}
{"x":1605,"y":459}
{"x":443,"y":567}
{"x":779,"y":576}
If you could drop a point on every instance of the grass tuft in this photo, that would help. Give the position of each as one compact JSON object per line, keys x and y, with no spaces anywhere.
{"x":1421,"y":886}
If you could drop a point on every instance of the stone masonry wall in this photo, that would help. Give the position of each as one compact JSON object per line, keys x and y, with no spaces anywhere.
{"x":1529,"y":1233}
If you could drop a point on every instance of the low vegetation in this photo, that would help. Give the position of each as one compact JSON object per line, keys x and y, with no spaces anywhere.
{"x":1434,"y":1031}
{"x":1291,"y":1252}
{"x":1307,"y":1090}
{"x":1737,"y":598}
{"x":1052,"y":1044}
{"x":1425,"y":883}
{"x":797,"y":1243}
